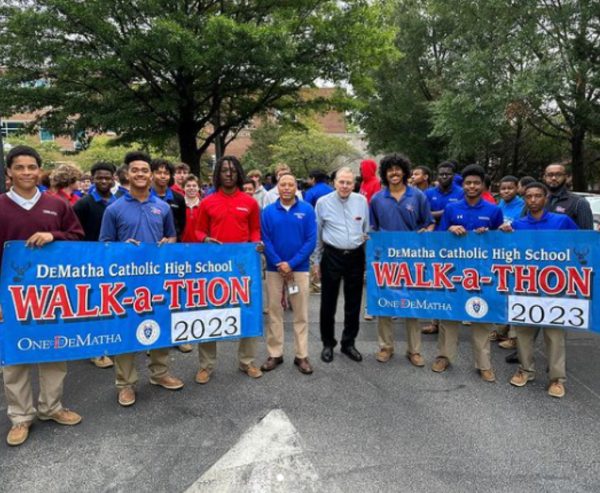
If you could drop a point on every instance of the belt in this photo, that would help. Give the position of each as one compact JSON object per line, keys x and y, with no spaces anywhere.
{"x":349,"y":251}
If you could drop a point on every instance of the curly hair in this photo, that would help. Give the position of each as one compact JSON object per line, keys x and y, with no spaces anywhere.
{"x":65,"y":175}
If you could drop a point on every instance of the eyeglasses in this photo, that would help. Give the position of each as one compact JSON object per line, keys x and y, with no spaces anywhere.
{"x":554,"y":175}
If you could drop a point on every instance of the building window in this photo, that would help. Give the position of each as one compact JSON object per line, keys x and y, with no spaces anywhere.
{"x":46,"y":136}
{"x":9,"y":128}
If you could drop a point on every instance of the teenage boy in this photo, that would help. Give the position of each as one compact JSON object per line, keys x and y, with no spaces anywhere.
{"x":140,"y":217}
{"x":421,"y":177}
{"x":228,"y":216}
{"x":460,"y":218}
{"x":536,"y":196}
{"x":38,"y":218}
{"x":399,"y":207}
{"x":90,"y":210}
{"x":182,"y":171}
{"x":162,"y":178}
{"x":510,"y":204}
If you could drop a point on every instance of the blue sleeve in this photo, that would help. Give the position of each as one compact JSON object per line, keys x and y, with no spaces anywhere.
{"x":169,"y":225}
{"x":568,"y":223}
{"x":497,"y":219}
{"x":265,"y":226}
{"x":374,"y":222}
{"x":445,"y":222}
{"x":310,"y":239}
{"x":108,"y":228}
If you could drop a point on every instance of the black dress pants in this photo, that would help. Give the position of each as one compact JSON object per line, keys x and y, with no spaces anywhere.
{"x":349,"y":266}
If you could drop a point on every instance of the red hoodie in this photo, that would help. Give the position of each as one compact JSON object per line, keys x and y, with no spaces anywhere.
{"x":370,"y":184}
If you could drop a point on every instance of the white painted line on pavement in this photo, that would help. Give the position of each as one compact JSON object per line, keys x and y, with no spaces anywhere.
{"x":267,"y":458}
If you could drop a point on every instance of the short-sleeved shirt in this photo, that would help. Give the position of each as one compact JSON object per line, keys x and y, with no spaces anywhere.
{"x":549,"y":221}
{"x":410,"y":213}
{"x":512,"y":210}
{"x":438,"y":200}
{"x":128,"y":218}
{"x":481,"y":215}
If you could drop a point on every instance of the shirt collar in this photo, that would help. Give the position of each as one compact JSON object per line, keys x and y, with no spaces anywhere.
{"x":280,"y":205}
{"x":151,"y":198}
{"x":166,"y":197}
{"x":532,"y":219}
{"x":98,"y":198}
{"x":407,"y":193}
{"x":26,"y":204}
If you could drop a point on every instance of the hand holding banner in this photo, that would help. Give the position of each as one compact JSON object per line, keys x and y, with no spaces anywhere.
{"x":527,"y":277}
{"x":120,"y":298}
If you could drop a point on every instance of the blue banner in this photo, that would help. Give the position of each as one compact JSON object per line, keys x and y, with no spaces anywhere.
{"x":74,"y":300}
{"x":546,"y":278}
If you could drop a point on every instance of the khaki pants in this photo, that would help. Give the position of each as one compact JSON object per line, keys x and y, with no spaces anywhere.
{"x":207,"y":353}
{"x":385,"y":332}
{"x":19,"y":393}
{"x":126,"y":373}
{"x":480,"y":339}
{"x":299,"y":304}
{"x":554,"y":339}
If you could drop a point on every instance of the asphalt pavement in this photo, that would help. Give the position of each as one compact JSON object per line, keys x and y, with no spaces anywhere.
{"x":364,"y":427}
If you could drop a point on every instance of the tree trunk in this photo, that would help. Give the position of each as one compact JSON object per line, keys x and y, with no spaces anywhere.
{"x":577,"y":160}
{"x":188,"y":148}
{"x":517,"y":148}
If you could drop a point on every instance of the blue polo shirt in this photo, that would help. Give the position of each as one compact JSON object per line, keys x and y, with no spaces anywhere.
{"x":315,"y":192}
{"x":289,"y":235}
{"x":410,"y":213}
{"x":548,"y":221}
{"x":439,"y":200}
{"x":512,"y":210}
{"x":481,"y":215}
{"x":128,"y":218}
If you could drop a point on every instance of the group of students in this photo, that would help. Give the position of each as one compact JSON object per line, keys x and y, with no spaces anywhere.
{"x":322,"y":233}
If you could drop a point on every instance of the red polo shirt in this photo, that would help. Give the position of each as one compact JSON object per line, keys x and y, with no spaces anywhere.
{"x":228,"y":218}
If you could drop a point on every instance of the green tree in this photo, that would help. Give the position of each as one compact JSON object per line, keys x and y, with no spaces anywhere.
{"x":312,"y":148}
{"x":151,"y":70}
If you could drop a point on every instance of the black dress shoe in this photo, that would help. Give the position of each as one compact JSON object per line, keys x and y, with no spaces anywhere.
{"x":327,"y":354}
{"x":352,"y":353}
{"x":512,"y":357}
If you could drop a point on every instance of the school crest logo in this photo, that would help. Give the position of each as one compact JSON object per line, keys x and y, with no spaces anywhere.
{"x":148,"y":332}
{"x":476,"y":307}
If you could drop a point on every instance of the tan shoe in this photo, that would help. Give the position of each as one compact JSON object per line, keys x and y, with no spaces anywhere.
{"x":203,"y":376}
{"x":521,"y":378}
{"x":488,"y":375}
{"x":62,"y":417}
{"x":185,"y":348}
{"x":18,"y":434}
{"x":556,"y":389}
{"x":416,"y":359}
{"x":384,"y":354}
{"x":168,"y":382}
{"x":127,"y":396}
{"x":508,"y":343}
{"x":368,"y":317}
{"x":103,"y":362}
{"x":251,"y":370}
{"x":440,"y":364}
